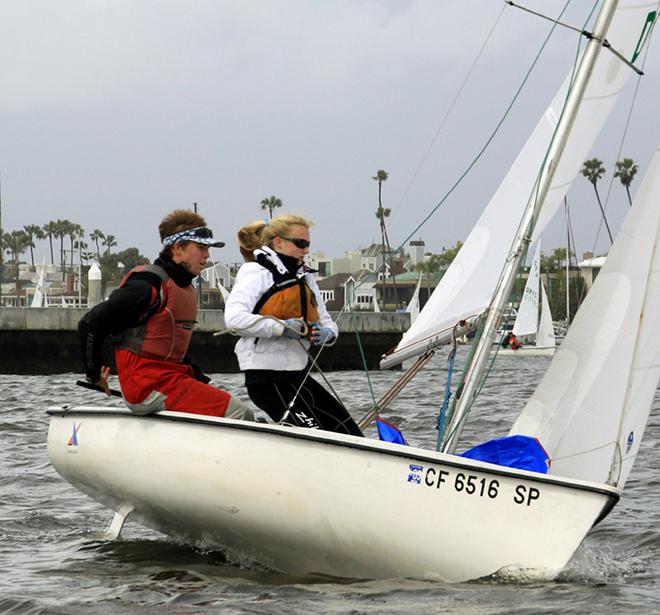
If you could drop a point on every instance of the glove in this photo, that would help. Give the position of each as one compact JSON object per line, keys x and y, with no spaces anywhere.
{"x":293,"y":328}
{"x":321,"y":335}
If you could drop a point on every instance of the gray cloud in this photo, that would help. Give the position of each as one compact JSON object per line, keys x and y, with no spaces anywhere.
{"x":114,"y":112}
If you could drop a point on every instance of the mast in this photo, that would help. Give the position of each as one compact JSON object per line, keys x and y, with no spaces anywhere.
{"x":1,"y":235}
{"x":568,"y":263}
{"x":477,"y":366}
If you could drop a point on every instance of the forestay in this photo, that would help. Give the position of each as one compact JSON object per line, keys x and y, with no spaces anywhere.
{"x":590,"y":409}
{"x":466,"y":288}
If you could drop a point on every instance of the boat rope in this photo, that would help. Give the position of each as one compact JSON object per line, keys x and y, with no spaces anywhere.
{"x":257,"y":318}
{"x":395,"y":389}
{"x":314,"y":358}
{"x":492,"y":135}
{"x":631,"y":109}
{"x":442,"y":415}
{"x":456,"y":426}
{"x":586,"y":33}
{"x":450,"y":414}
{"x":584,"y":452}
{"x":449,"y":110}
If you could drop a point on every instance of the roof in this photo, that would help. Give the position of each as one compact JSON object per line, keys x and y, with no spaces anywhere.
{"x":333,"y":281}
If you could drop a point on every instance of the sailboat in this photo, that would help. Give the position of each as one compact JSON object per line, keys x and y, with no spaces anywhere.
{"x":413,"y":307}
{"x":528,"y":322}
{"x":40,"y":299}
{"x":300,"y":500}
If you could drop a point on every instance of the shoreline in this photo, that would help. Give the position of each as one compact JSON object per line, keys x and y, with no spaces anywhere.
{"x":45,"y":341}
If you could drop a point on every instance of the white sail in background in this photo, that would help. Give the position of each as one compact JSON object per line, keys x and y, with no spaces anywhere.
{"x":545,"y":335}
{"x":40,"y":292}
{"x":223,"y":291}
{"x":527,"y":319}
{"x":590,"y":409}
{"x":413,"y":306}
{"x":376,"y":307}
{"x":466,"y":288}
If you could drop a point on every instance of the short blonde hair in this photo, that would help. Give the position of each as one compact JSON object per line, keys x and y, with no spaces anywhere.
{"x":262,"y":232}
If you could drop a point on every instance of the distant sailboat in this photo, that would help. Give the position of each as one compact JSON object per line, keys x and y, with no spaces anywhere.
{"x":528,"y":321}
{"x":376,"y":307}
{"x":223,"y":291}
{"x":39,"y":299}
{"x":413,"y":306}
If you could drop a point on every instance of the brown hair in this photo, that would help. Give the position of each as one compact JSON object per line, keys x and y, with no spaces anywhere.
{"x":262,"y":232}
{"x":177,"y":221}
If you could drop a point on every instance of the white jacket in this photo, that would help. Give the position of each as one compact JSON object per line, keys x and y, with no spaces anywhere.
{"x":261,"y":345}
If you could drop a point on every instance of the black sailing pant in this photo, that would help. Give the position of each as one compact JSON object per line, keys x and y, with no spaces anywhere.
{"x":314,"y":407}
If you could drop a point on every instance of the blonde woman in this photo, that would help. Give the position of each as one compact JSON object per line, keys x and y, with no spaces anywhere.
{"x":275,"y":306}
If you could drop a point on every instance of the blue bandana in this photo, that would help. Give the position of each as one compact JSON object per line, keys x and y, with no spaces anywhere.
{"x":199,"y":234}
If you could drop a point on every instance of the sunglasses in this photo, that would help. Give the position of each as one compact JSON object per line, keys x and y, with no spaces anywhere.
{"x":203,"y":232}
{"x":296,"y":241}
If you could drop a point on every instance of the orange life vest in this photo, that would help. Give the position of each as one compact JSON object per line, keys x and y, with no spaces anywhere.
{"x":165,"y":335}
{"x":288,"y":297}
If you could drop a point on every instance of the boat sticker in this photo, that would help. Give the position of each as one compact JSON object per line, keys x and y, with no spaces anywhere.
{"x":415,"y":474}
{"x":472,"y":485}
{"x":73,"y":440}
{"x":629,"y":443}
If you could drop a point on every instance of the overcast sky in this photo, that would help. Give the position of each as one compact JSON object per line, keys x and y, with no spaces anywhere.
{"x":114,"y":112}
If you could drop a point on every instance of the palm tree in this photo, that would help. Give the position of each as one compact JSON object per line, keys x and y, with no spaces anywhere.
{"x":33,"y":232}
{"x":74,"y":231}
{"x":80,"y":245}
{"x":594,"y":170}
{"x":95,"y":236}
{"x":270,"y":203}
{"x":16,"y":243}
{"x":626,"y":170}
{"x":109,"y":242}
{"x":382,"y":213}
{"x":62,"y":231}
{"x":50,"y":231}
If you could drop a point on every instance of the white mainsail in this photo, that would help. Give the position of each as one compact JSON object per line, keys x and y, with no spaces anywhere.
{"x":590,"y":409}
{"x":527,"y":319}
{"x":467,"y":287}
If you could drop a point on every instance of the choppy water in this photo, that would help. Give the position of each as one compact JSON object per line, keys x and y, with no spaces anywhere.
{"x":51,"y":560}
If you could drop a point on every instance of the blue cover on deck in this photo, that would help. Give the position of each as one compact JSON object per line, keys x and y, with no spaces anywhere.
{"x":520,"y":452}
{"x":388,"y":432}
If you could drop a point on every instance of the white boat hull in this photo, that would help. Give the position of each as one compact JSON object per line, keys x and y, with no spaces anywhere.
{"x":283,"y":497}
{"x":527,"y":351}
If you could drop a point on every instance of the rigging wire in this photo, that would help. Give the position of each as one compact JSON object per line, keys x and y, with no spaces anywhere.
{"x":456,"y":427}
{"x":605,"y":43}
{"x":462,"y":177}
{"x":631,"y":109}
{"x":450,"y":108}
{"x":491,"y":136}
{"x":485,"y":146}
